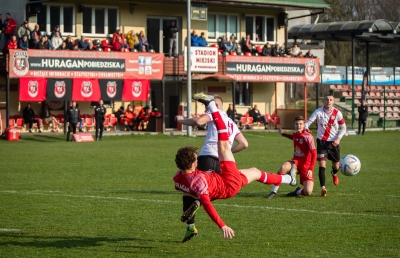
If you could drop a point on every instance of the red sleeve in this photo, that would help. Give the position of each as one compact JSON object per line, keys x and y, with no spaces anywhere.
{"x":116,"y":46}
{"x":290,"y":136}
{"x":313,"y":159}
{"x":211,"y":211}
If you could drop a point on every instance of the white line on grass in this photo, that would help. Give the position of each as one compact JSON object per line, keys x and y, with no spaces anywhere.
{"x":54,"y":193}
{"x":9,"y":230}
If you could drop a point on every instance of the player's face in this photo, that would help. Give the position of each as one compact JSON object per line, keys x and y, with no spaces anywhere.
{"x":328,"y":102}
{"x":299,"y":125}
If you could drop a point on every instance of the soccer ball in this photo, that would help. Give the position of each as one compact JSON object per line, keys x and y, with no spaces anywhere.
{"x":349,"y":165}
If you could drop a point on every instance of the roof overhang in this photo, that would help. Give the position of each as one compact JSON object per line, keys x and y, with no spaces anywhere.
{"x":377,"y":31}
{"x":211,"y":77}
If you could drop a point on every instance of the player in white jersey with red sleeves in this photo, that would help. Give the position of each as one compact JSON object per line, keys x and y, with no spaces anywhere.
{"x":331,"y":129}
{"x":208,"y":157}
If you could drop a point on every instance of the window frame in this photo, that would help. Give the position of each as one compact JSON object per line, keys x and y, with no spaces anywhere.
{"x":106,"y":7}
{"x":48,"y":22}
{"x":264,"y":17}
{"x":228,"y":33}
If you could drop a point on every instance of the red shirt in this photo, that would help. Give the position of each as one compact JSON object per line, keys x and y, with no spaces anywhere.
{"x":9,"y":26}
{"x":10,"y":45}
{"x":304,"y":149}
{"x":207,"y":186}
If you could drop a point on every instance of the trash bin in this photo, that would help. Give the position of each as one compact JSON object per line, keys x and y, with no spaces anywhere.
{"x":12,"y":134}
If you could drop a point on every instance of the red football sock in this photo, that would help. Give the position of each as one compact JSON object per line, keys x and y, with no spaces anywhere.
{"x":221,"y":127}
{"x":269,"y":179}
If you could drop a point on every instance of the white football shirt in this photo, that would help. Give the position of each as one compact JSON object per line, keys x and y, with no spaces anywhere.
{"x":210,"y":146}
{"x":328,"y":123}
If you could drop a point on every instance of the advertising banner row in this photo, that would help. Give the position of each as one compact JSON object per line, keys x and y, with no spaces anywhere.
{"x":80,"y":89}
{"x":343,"y":75}
{"x":150,"y":66}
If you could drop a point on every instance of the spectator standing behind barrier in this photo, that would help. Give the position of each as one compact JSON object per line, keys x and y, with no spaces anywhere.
{"x":100,"y":112}
{"x":276,"y":51}
{"x":72,"y":118}
{"x":257,"y":117}
{"x":132,"y":40}
{"x":202,"y":40}
{"x":362,"y":116}
{"x":11,"y":44}
{"x":266,"y":51}
{"x":173,"y":41}
{"x":194,"y":39}
{"x":24,"y":30}
{"x":35,"y":36}
{"x":9,"y":26}
{"x":29,"y":117}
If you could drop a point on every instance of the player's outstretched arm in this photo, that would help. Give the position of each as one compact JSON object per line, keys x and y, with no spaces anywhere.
{"x":241,"y":143}
{"x":289,"y":136}
{"x":195,"y":121}
{"x":212,"y":213}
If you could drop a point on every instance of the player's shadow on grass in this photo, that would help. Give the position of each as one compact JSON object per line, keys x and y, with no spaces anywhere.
{"x":137,"y":191}
{"x":67,"y":242}
{"x":43,"y":138}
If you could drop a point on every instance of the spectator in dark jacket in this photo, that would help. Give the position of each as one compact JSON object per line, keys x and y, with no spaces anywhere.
{"x":266,"y":51}
{"x":23,"y":43}
{"x":82,"y":44}
{"x":43,"y":43}
{"x":276,"y":51}
{"x":72,"y":119}
{"x":202,"y":40}
{"x":362,"y":117}
{"x":29,"y":117}
{"x":257,"y":117}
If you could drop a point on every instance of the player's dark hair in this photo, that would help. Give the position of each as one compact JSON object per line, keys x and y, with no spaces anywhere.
{"x":299,"y":118}
{"x":185,"y":157}
{"x":328,"y":95}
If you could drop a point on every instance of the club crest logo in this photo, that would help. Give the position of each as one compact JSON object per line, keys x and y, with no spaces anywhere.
{"x":86,"y":89}
{"x":59,"y":89}
{"x":301,"y":141}
{"x":311,"y":70}
{"x":20,"y":63}
{"x":33,"y":89}
{"x":111,"y":89}
{"x":136,"y":89}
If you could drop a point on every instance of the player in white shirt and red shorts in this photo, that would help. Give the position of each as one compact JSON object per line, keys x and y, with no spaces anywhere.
{"x":331,"y":129}
{"x":208,"y":157}
{"x":209,"y":185}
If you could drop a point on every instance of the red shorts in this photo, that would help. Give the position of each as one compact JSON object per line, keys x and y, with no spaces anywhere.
{"x":234,"y":180}
{"x":302,"y":171}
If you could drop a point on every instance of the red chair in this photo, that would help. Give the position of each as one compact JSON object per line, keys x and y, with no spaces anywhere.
{"x":113,"y":123}
{"x":232,"y":53}
{"x":259,"y":49}
{"x":247,"y":54}
{"x":89,"y":124}
{"x":11,"y":122}
{"x":20,"y":122}
{"x":243,"y":121}
{"x":249,"y":122}
{"x":106,"y":123}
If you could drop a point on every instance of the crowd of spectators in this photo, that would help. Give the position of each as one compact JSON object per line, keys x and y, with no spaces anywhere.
{"x":27,"y":38}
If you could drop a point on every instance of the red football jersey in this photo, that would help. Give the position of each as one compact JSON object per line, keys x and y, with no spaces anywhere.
{"x":303,"y":144}
{"x":207,"y":186}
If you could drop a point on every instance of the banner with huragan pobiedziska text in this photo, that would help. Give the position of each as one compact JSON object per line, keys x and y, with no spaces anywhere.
{"x":85,"y":64}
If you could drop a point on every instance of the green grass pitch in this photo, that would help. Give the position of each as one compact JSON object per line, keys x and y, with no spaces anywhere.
{"x":116,"y":198}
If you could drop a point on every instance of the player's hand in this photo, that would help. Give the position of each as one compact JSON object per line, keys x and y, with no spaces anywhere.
{"x":177,"y":118}
{"x":336,"y":142}
{"x":228,"y":232}
{"x":280,"y":131}
{"x":309,"y":173}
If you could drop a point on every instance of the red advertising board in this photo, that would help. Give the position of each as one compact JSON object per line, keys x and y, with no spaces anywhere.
{"x":85,"y":64}
{"x":32,"y":89}
{"x":85,"y":90}
{"x":135,"y":90}
{"x":83,"y":137}
{"x":272,"y":69}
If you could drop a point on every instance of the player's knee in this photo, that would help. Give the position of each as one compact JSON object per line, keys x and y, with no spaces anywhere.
{"x":307,"y":192}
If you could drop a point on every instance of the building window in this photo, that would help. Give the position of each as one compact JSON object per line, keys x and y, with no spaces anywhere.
{"x":61,"y":15}
{"x":242,"y":94}
{"x":260,"y":28}
{"x":219,"y":25}
{"x":99,"y":20}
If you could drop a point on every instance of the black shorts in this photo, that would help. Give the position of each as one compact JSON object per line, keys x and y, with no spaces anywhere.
{"x":206,"y":163}
{"x":325,"y":150}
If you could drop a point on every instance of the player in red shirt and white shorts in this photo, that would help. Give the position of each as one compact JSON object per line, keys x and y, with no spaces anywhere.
{"x":331,"y":128}
{"x":208,"y":185}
